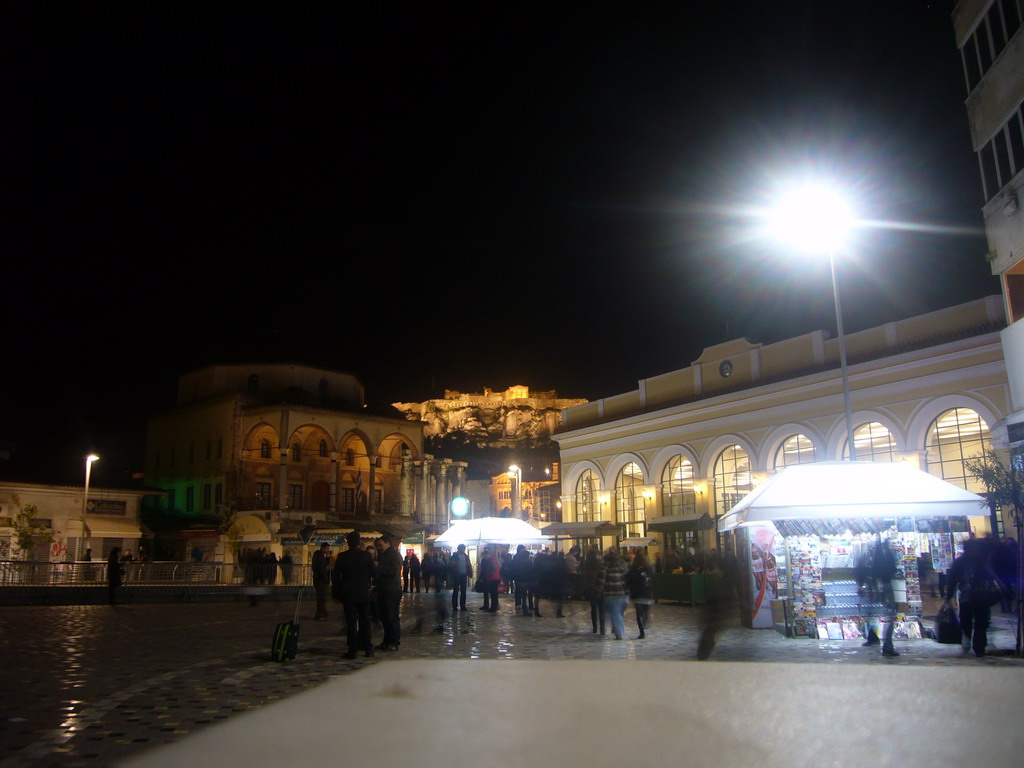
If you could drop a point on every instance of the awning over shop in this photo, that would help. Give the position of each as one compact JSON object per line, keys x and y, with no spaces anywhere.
{"x":840,"y":490}
{"x":583,"y":530}
{"x":680,"y":523}
{"x":113,"y":529}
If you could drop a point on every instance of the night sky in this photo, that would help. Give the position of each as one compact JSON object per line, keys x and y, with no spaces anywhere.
{"x":452,"y":195}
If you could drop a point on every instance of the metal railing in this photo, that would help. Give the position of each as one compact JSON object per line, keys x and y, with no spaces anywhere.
{"x":160,"y":573}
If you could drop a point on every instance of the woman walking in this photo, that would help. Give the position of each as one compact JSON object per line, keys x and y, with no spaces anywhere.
{"x":641,"y":591}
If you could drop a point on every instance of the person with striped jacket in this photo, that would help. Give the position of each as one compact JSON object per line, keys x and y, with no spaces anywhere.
{"x":612,"y":585}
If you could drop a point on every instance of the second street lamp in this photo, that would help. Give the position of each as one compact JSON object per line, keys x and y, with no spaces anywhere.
{"x":85,"y":505}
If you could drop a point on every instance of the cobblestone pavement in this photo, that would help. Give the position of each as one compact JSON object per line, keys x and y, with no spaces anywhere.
{"x":87,"y":685}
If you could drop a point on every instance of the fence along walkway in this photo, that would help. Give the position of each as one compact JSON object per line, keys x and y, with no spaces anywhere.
{"x":29,"y":583}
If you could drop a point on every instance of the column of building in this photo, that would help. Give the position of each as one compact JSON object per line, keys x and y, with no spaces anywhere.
{"x":406,"y":481}
{"x":441,"y":491}
{"x":282,"y":473}
{"x":371,"y":491}
{"x":332,"y":505}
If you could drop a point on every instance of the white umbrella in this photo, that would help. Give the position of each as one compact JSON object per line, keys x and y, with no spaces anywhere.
{"x":492,"y":530}
{"x":850,"y":489}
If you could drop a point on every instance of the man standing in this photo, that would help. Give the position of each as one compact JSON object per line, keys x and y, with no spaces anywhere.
{"x":321,"y":579}
{"x":353,"y":572}
{"x":522,"y":576}
{"x":490,"y":575}
{"x":460,"y":571}
{"x":389,"y":593}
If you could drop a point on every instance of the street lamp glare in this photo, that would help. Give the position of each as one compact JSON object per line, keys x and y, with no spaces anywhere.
{"x":91,"y":458}
{"x":812,"y":217}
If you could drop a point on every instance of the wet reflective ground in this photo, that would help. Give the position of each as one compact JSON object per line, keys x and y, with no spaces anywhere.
{"x":83,"y":686}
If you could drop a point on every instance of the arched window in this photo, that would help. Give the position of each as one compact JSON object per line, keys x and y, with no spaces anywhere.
{"x":732,"y":478}
{"x":797,"y":449}
{"x":874,"y":442}
{"x":323,"y":449}
{"x":587,"y":506}
{"x":629,"y":500}
{"x":296,"y":452}
{"x":264,"y":448}
{"x":677,"y":496}
{"x":956,"y":435}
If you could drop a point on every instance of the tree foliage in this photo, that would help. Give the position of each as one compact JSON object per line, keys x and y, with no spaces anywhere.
{"x":1003,"y":484}
{"x":27,"y":530}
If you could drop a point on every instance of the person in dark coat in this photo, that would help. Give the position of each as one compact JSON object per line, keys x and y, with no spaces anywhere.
{"x":412,"y":569}
{"x":427,"y":570}
{"x":354,"y":571}
{"x":389,"y":593}
{"x":969,"y":570}
{"x":523,"y":577}
{"x":593,"y":566}
{"x":321,"y":579}
{"x":114,"y":573}
{"x":490,"y":578}
{"x":460,"y":571}
{"x":542,"y":580}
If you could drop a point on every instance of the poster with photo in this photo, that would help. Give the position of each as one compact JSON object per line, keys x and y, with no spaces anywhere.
{"x":764,"y":575}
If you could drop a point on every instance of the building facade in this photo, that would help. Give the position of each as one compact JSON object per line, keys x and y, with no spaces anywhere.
{"x":533,"y":494}
{"x":274,"y":448}
{"x":687,"y":445}
{"x":988,"y":34}
{"x":80,"y":529}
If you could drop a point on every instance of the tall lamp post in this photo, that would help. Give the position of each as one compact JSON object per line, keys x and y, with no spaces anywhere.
{"x":85,"y":502}
{"x":813,"y":218}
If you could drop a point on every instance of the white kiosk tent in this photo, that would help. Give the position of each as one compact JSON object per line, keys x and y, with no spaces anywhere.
{"x":491,"y":530}
{"x":851,"y":495}
{"x":820,"y":510}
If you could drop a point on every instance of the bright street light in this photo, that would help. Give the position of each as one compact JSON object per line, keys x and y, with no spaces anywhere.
{"x":85,"y":499}
{"x":815,"y":218}
{"x":812,"y":217}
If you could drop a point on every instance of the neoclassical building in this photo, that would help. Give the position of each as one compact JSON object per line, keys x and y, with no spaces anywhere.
{"x":687,"y":445}
{"x":284,"y":446}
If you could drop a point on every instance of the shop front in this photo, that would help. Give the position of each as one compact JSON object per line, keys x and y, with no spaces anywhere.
{"x":806,"y":535}
{"x":679,"y":577}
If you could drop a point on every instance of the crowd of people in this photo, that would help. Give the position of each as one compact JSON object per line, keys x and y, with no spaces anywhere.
{"x":262,"y":566}
{"x":369,"y":581}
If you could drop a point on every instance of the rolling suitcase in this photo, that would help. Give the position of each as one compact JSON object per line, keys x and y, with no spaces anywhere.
{"x":285,"y":644}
